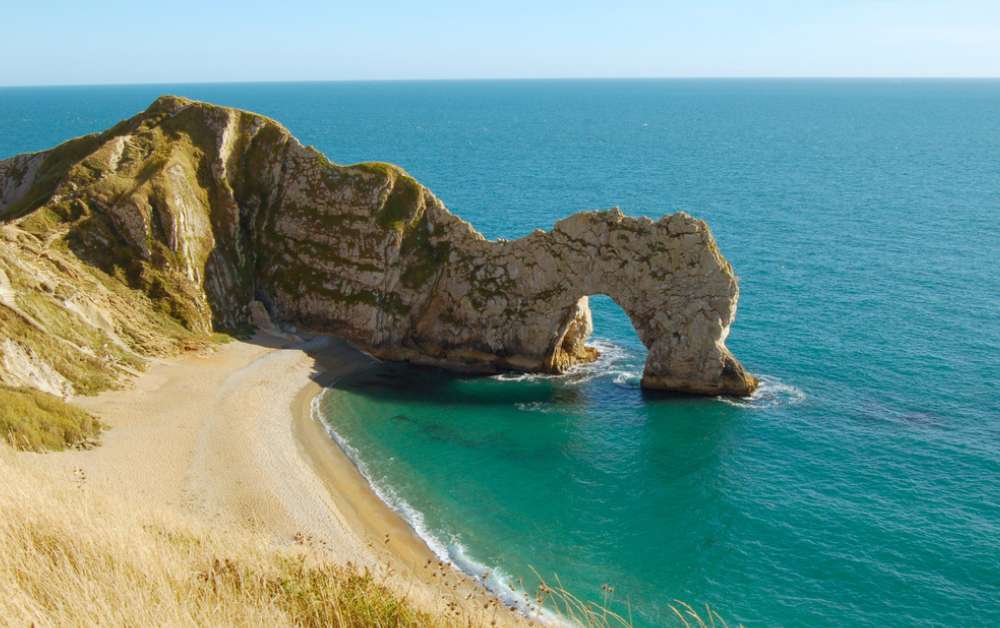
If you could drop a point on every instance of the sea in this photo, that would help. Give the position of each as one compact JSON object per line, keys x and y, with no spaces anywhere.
{"x":859,"y":486}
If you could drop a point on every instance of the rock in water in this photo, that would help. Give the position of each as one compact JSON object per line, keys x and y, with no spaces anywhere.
{"x":174,"y":222}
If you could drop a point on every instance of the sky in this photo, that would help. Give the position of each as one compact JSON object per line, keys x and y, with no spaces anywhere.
{"x":57,"y":42}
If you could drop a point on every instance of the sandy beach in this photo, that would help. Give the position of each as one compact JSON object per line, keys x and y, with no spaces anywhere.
{"x":228,"y":436}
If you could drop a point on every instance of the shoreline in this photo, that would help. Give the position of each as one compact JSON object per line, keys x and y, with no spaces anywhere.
{"x":386,"y":532}
{"x":229,"y":436}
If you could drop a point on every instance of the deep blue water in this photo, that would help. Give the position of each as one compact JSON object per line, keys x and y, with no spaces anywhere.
{"x":862,"y":486}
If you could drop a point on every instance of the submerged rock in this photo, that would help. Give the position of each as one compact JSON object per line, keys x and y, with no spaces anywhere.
{"x":191,"y":217}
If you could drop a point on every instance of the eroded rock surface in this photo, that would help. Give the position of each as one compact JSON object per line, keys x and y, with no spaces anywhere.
{"x":172,"y":223}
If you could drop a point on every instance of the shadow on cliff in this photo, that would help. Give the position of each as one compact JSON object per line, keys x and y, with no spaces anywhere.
{"x":340,"y":365}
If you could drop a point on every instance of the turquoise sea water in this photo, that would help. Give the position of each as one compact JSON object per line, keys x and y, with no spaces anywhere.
{"x":860,"y":487}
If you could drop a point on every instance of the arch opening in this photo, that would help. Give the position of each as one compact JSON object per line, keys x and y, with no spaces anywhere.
{"x":601,"y":313}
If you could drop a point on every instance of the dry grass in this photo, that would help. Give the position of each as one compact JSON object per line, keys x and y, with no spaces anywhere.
{"x":593,"y":614}
{"x":72,"y":558}
{"x":35,"y":421}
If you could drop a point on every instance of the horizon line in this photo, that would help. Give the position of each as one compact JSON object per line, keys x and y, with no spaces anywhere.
{"x":523,"y":79}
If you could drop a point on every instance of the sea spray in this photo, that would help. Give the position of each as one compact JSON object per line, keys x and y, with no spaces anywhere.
{"x":615,"y":362}
{"x":771,"y":392}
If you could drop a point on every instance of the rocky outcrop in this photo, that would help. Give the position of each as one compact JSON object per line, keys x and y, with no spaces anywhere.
{"x":188,"y":213}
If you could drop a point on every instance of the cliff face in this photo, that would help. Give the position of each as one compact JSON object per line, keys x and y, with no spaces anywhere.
{"x":131,"y":242}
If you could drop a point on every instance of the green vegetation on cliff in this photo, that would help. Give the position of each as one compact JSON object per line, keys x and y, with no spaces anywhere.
{"x":425,"y":256}
{"x":36,"y":421}
{"x":403,"y":201}
{"x":53,"y":170}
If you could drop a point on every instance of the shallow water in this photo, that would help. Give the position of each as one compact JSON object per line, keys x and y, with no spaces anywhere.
{"x":861,"y":485}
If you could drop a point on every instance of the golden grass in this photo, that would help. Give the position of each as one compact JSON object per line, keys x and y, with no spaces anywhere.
{"x":593,"y":614}
{"x":72,"y":557}
{"x":35,"y":421}
{"x":69,"y":557}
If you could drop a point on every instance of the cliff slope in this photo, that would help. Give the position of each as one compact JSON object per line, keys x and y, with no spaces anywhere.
{"x":146,"y":237}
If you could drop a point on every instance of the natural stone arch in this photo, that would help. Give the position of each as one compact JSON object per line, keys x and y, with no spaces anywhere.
{"x":523,"y":304}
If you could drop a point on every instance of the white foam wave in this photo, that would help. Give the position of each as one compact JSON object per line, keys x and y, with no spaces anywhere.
{"x":536,"y":406}
{"x":523,"y":377}
{"x":452,"y":553}
{"x":770,"y":393}
{"x":615,"y":362}
{"x":627,"y":379}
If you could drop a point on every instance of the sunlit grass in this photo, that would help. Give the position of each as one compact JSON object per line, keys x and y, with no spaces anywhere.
{"x":36,"y":421}
{"x":598,"y":614}
{"x":72,"y":557}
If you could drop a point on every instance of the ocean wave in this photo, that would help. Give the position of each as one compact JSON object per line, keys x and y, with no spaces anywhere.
{"x":536,"y":406}
{"x":523,"y":377}
{"x":615,"y":363}
{"x":628,"y":379}
{"x":452,"y":553}
{"x":770,"y":393}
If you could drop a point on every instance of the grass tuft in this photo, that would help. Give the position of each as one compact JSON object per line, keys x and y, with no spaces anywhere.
{"x":402,"y":203}
{"x":36,"y":421}
{"x":598,"y":614}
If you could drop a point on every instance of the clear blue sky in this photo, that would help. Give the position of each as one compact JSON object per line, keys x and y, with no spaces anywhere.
{"x":139,"y":41}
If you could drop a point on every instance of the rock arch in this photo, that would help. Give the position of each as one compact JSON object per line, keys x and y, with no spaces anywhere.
{"x":523,"y":304}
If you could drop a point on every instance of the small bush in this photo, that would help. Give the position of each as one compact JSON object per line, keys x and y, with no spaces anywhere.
{"x":401,"y":204}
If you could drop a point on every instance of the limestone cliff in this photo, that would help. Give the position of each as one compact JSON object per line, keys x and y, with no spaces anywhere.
{"x":131,"y":242}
